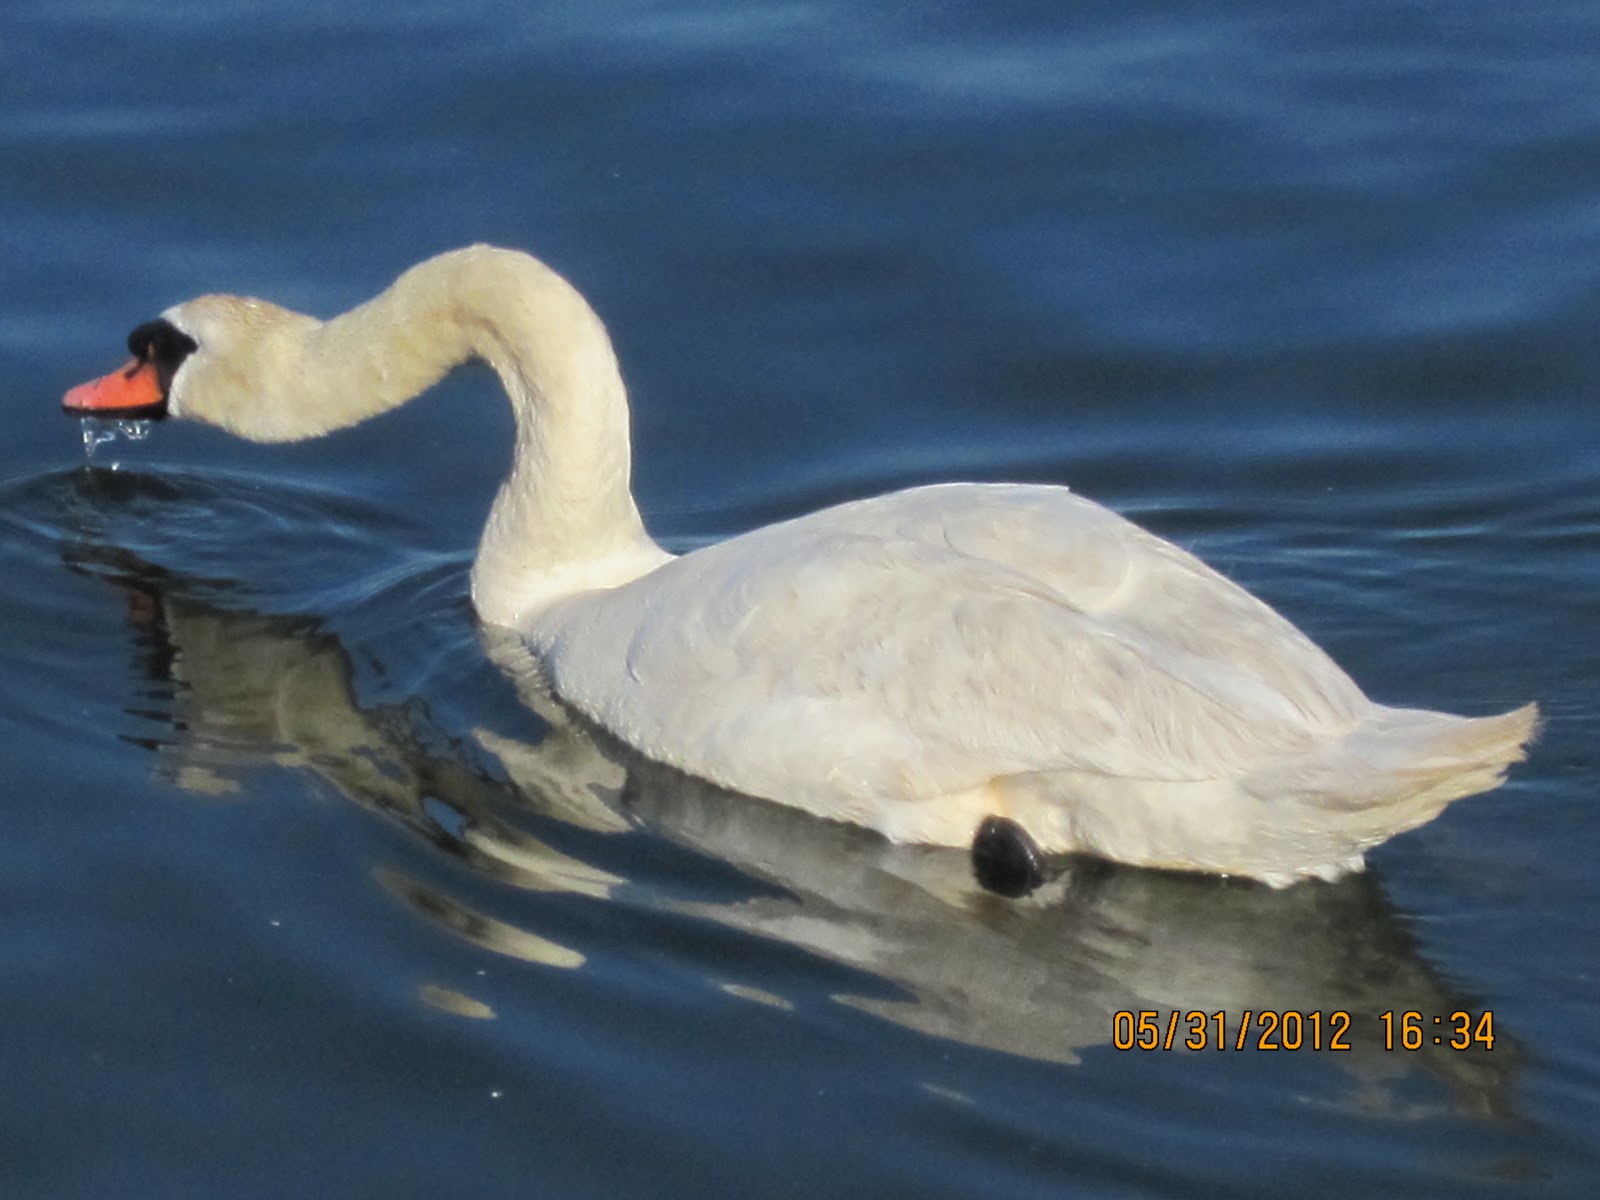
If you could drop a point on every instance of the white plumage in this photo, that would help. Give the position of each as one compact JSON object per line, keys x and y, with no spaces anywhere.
{"x":914,"y":662}
{"x":921,"y":660}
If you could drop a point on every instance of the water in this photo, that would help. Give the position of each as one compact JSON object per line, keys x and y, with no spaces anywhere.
{"x":299,"y":897}
{"x":98,"y":431}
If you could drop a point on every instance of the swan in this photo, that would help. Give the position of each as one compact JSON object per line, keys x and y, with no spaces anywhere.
{"x":1004,"y":667}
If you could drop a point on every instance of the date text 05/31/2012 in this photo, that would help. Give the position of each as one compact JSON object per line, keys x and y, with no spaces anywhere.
{"x":1289,"y":1029}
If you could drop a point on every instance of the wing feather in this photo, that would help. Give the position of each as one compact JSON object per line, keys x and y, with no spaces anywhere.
{"x":931,"y":640}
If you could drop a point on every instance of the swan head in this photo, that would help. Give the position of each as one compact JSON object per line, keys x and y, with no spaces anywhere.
{"x":223,"y":360}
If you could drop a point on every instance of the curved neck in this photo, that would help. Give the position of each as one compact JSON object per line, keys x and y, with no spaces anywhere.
{"x":564,"y":520}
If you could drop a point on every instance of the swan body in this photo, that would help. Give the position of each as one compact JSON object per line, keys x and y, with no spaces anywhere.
{"x":917,"y":662}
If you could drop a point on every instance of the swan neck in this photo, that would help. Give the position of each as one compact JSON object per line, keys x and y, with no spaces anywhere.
{"x":564,"y":520}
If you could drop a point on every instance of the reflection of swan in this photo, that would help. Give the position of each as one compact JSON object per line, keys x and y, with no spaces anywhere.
{"x":925,"y":948}
{"x":916,"y":663}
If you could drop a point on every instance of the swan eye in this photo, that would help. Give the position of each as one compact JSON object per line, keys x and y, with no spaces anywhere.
{"x":162,"y":343}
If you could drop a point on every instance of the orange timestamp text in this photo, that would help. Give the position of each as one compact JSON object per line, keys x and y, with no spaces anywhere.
{"x":1292,"y":1029}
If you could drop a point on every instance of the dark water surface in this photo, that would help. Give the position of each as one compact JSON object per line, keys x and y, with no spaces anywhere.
{"x":299,"y":897}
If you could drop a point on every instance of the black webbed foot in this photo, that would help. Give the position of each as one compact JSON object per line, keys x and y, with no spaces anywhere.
{"x":1005,"y":858}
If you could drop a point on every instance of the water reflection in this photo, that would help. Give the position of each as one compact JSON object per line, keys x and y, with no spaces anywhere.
{"x":229,"y":691}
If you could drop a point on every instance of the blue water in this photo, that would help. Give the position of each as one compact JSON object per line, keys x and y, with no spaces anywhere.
{"x":298,"y":896}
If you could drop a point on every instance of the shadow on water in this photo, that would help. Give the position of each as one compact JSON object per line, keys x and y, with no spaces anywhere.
{"x":560,"y":808}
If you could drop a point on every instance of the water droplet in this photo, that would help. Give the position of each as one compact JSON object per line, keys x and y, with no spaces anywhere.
{"x":95,"y":434}
{"x":101,"y":431}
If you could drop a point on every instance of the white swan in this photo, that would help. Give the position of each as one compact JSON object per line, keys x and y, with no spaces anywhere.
{"x":917,"y":663}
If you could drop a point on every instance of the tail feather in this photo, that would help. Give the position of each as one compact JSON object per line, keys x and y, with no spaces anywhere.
{"x":1399,"y":768}
{"x":1416,"y":741}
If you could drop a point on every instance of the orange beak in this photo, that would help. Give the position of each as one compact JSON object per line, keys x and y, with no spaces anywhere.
{"x":132,"y":391}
